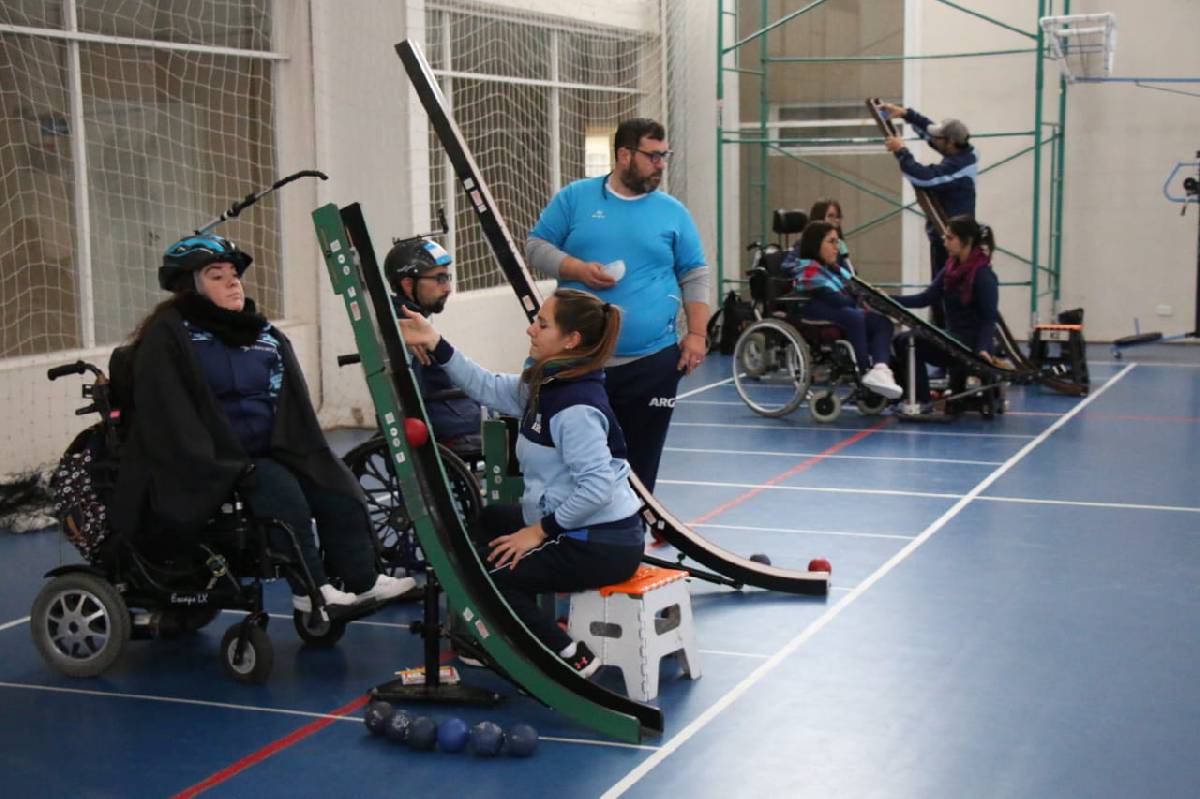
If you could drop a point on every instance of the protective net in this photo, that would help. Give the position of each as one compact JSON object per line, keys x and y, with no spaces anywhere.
{"x":111,"y":151}
{"x":120,"y":131}
{"x":537,"y":98}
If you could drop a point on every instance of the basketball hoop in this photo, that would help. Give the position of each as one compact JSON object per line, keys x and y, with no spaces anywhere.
{"x":1082,"y":44}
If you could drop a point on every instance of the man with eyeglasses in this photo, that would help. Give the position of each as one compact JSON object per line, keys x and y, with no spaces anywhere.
{"x":418,"y":271}
{"x":619,"y":238}
{"x":951,"y":183}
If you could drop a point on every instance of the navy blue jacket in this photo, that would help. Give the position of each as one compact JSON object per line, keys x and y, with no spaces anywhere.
{"x":974,"y":322}
{"x":950,"y":183}
{"x":451,"y":418}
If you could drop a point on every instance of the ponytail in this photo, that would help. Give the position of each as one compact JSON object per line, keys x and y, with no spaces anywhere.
{"x":598,"y":324}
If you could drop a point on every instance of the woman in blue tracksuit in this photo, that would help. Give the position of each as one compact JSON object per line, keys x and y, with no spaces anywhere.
{"x":577,"y":527}
{"x":821,"y":278}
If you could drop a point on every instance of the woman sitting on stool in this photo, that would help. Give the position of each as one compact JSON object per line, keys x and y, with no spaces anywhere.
{"x":822,"y":282}
{"x":219,"y":404}
{"x":968,"y":291}
{"x":577,"y":527}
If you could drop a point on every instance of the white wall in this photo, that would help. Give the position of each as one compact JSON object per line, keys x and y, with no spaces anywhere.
{"x":1125,"y":249}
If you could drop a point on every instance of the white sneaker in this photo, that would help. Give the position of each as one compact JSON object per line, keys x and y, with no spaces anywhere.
{"x":880,"y":380}
{"x":386,"y":588}
{"x":332,"y":596}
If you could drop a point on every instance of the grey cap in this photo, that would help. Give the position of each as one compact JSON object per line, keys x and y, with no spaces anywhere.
{"x":952,"y":129}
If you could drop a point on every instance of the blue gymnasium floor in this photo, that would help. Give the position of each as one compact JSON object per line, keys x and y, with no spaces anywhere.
{"x":1015,"y":613}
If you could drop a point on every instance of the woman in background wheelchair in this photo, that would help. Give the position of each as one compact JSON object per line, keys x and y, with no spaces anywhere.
{"x":220,"y":404}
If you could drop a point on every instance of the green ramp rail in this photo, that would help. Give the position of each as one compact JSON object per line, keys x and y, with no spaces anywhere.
{"x":357,"y":278}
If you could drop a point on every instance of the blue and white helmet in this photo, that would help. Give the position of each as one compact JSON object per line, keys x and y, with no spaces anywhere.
{"x":413,"y":257}
{"x":195,"y":252}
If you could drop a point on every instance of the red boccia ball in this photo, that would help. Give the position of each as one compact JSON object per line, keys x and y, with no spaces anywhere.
{"x":416,"y":432}
{"x":820,"y":565}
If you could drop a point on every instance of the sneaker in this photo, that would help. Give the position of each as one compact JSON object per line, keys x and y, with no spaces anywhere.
{"x":580,"y":657}
{"x":386,"y":588}
{"x":332,"y":596}
{"x":880,"y":380}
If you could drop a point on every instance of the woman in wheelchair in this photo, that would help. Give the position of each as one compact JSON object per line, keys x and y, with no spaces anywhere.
{"x":821,"y":278}
{"x":220,"y":405}
{"x":577,"y":527}
{"x":968,"y":291}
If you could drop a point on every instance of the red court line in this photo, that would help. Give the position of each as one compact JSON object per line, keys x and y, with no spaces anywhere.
{"x":838,"y":447}
{"x":270,"y":749}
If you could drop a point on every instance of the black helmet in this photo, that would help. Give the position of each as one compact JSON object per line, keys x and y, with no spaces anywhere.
{"x":195,"y":252}
{"x":412,"y":258}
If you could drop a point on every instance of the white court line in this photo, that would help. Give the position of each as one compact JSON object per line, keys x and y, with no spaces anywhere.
{"x":178,"y":701}
{"x":894,"y":431}
{"x":282,"y":711}
{"x":733,"y":654}
{"x":825,"y":489}
{"x":774,"y":453}
{"x":13,"y":623}
{"x":696,"y":391}
{"x":714,"y":710}
{"x":1146,"y":365}
{"x":807,"y":532}
{"x":1085,"y":504}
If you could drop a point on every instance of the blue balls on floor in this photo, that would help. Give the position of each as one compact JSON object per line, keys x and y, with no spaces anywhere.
{"x":376,"y":716}
{"x":521,"y":740}
{"x":422,"y":734}
{"x":452,"y":735}
{"x":486,"y":739}
{"x":397,"y":726}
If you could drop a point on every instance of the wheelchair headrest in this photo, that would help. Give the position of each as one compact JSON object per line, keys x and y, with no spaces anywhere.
{"x":788,"y":221}
{"x":772,"y":262}
{"x":120,"y":378}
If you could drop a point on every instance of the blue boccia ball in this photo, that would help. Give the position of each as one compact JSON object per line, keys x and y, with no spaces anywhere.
{"x":452,"y":735}
{"x":376,"y":716}
{"x":397,"y":726}
{"x":521,"y":740}
{"x":486,"y":739}
{"x":422,"y":733}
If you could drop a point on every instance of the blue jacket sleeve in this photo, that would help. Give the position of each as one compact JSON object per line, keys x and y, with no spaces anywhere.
{"x":501,"y":392}
{"x":918,"y":122}
{"x":931,"y":295}
{"x":987,"y":304}
{"x":581,"y":435}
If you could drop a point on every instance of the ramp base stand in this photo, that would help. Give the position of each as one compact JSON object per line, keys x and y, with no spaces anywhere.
{"x":433,"y":690}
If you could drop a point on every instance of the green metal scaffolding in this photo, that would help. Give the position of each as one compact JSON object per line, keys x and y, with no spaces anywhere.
{"x":1044,"y":278}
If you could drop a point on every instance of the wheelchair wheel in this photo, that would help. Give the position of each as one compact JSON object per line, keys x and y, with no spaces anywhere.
{"x":317,"y":630}
{"x":80,"y":624}
{"x":869,"y":403}
{"x":825,"y":407}
{"x":399,"y":549}
{"x":772,"y":367}
{"x":258,"y":655}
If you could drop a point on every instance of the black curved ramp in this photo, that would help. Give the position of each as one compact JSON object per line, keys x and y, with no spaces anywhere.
{"x":496,"y":232}
{"x":446,"y":543}
{"x":730,"y":564}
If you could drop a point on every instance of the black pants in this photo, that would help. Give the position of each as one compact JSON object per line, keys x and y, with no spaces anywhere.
{"x":342,"y":524}
{"x":937,"y":259}
{"x":926,"y":354}
{"x":642,"y":395}
{"x":561,"y":565}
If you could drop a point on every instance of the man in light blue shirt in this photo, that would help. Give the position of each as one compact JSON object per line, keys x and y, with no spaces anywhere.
{"x":633,"y":246}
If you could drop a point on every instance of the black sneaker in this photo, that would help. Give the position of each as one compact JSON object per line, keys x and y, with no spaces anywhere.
{"x":584,"y":660}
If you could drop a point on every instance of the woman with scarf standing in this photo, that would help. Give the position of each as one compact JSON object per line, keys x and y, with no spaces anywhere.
{"x":577,"y":527}
{"x":219,"y":404}
{"x":967,"y":290}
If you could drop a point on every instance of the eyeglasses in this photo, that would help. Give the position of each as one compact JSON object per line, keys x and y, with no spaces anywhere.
{"x":442,"y":279}
{"x":656,"y":157}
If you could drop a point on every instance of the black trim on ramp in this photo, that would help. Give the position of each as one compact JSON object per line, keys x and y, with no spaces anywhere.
{"x":679,"y":535}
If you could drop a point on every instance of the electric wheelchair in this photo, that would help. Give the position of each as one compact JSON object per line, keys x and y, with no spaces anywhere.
{"x":783,"y":358}
{"x":158,"y":585}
